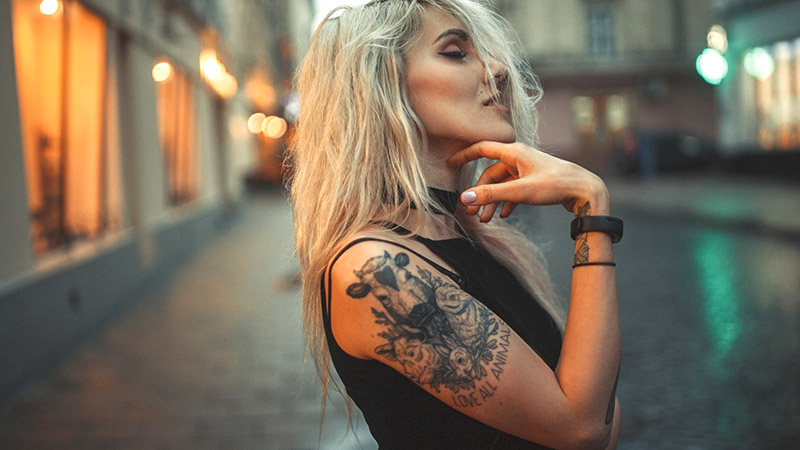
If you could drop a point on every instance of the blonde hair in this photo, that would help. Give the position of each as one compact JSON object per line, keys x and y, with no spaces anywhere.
{"x":358,"y":148}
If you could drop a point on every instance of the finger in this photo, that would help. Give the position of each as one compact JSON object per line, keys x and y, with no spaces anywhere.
{"x":488,"y":212}
{"x":496,"y":173}
{"x":492,"y":193}
{"x":483,"y":149}
{"x":508,"y":208}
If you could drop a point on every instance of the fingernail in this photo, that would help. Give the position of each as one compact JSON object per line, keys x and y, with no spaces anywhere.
{"x":469,"y":197}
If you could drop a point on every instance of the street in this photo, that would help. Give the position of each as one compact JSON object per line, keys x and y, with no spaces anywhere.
{"x":711,"y":333}
{"x":214,"y":358}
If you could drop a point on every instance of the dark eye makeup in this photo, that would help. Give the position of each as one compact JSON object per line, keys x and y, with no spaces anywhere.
{"x":455,"y":54}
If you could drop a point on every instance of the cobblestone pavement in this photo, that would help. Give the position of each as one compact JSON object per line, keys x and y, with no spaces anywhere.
{"x":214,"y":360}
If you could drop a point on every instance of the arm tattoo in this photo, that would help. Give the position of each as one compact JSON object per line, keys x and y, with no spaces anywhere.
{"x":584,"y":210}
{"x":582,"y":243}
{"x":582,"y":256}
{"x":441,"y":336}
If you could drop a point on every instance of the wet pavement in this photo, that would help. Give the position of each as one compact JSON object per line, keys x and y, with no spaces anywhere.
{"x":711,"y":333}
{"x":214,"y":358}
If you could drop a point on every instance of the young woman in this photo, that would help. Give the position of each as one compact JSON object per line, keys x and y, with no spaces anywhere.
{"x":440,"y":321}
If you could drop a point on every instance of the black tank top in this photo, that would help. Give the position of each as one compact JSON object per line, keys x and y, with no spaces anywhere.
{"x":402,"y":415}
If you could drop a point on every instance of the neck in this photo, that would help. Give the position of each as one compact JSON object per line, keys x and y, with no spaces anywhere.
{"x":437,"y":172}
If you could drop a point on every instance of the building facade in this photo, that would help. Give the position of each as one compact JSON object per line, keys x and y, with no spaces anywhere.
{"x":125,"y":145}
{"x":617,"y":75}
{"x":760,"y":97}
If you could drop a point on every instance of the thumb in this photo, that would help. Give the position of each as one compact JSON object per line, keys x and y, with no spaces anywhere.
{"x":490,"y":193}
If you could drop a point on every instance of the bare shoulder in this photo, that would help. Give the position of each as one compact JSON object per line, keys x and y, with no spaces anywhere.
{"x":392,"y":305}
{"x":370,"y":284}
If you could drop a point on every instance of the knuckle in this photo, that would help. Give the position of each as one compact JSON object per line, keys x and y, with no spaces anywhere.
{"x":488,"y":192}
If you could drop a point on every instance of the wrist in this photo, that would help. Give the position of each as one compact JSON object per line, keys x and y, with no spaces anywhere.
{"x":611,"y":226}
{"x":593,"y":200}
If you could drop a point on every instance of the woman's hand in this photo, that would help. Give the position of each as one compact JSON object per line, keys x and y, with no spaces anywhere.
{"x":529,"y":176}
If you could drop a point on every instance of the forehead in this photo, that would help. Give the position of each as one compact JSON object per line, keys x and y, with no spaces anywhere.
{"x":436,"y":21}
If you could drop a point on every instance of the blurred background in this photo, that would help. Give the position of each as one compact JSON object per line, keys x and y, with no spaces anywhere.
{"x":148,"y":291}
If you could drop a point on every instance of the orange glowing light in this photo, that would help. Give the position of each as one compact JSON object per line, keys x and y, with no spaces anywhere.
{"x":226,"y":86}
{"x":49,"y":7}
{"x":256,"y":122}
{"x":162,"y":71}
{"x":274,"y":127}
{"x":216,"y":75}
{"x":210,"y":66}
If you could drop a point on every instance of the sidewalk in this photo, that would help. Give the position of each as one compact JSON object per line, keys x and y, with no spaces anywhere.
{"x":211,"y":360}
{"x":758,"y":205}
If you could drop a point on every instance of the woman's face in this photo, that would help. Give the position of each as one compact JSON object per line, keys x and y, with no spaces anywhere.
{"x":449,"y":89}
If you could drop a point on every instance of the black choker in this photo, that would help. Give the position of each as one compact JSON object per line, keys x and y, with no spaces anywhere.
{"x":448,"y":200}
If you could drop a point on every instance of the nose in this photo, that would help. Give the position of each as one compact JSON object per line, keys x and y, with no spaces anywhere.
{"x":497,"y":70}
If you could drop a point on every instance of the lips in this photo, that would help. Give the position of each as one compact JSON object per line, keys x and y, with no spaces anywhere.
{"x":495,"y":99}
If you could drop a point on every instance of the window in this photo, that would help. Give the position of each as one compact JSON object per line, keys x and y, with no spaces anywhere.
{"x":774,"y":72}
{"x":60,"y":57}
{"x":176,"y":129}
{"x":600,"y":24}
{"x":601,"y":119}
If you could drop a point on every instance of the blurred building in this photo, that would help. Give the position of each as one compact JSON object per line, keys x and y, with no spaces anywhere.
{"x":760,"y":96}
{"x":125,"y":143}
{"x":621,"y":89}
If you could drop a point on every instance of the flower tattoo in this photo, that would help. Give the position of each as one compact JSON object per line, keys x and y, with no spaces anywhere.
{"x":439,"y":334}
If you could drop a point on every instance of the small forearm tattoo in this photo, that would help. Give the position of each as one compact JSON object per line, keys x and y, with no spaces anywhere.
{"x":582,"y":243}
{"x":440,"y":335}
{"x":584,"y":210}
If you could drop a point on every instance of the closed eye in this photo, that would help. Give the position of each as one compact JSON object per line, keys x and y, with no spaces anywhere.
{"x":454,"y":54}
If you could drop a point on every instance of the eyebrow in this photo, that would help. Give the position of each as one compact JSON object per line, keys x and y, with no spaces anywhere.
{"x":452,"y":31}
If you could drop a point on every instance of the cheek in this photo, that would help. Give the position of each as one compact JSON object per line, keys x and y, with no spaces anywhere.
{"x":439,"y":104}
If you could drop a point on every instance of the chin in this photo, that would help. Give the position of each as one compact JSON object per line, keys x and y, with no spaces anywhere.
{"x":507,"y":136}
{"x":509,"y":139}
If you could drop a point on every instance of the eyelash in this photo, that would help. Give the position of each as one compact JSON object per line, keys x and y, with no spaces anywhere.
{"x":454,"y":54}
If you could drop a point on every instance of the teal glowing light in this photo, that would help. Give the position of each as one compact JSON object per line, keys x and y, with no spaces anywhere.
{"x":759,"y":63}
{"x":712,"y":66}
{"x":721,"y":300}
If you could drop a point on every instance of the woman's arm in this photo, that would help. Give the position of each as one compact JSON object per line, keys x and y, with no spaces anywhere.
{"x":590,"y":357}
{"x":390,"y":305}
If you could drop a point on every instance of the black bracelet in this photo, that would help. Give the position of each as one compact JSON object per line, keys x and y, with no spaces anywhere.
{"x":598,"y":263}
{"x":604,"y":224}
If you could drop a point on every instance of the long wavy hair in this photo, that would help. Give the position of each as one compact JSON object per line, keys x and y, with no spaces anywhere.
{"x":358,"y":151}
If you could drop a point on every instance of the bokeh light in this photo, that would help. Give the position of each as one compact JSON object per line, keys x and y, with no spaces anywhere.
{"x":210,"y":66}
{"x":256,"y":122}
{"x":718,"y":38}
{"x":162,"y":71}
{"x":274,"y":127}
{"x":712,"y":66}
{"x":49,"y":7}
{"x":216,"y":75}
{"x":759,"y":63}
